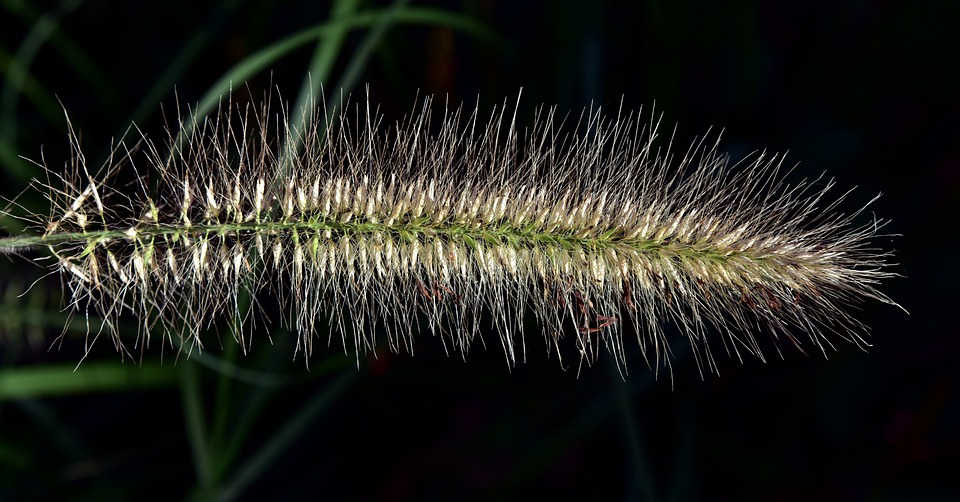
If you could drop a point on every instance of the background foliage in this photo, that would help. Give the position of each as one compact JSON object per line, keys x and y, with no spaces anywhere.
{"x":864,"y":90}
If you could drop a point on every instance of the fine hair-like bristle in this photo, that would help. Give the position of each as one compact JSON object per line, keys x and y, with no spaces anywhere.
{"x":451,"y":223}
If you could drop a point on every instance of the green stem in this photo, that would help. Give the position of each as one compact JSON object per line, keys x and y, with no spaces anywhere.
{"x":495,"y":233}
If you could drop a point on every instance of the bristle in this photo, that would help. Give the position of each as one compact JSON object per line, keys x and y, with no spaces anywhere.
{"x":598,"y":232}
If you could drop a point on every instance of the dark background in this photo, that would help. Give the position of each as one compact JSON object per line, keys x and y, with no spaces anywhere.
{"x":866,"y":91}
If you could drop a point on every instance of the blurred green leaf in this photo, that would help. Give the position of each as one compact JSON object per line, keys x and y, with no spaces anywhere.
{"x":68,"y":379}
{"x":263,"y":58}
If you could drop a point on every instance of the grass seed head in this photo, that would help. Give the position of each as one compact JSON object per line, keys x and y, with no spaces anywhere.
{"x":450,"y":223}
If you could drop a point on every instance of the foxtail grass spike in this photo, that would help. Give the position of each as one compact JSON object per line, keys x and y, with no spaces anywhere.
{"x":589,"y":232}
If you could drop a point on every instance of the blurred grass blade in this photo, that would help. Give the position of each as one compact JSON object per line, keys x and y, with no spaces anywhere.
{"x":324,"y":58}
{"x":359,"y":61}
{"x":196,"y":425}
{"x":256,"y":401}
{"x":294,"y":429}
{"x":39,"y":33}
{"x":32,"y":89}
{"x":167,"y":81}
{"x":263,"y":58}
{"x":325,"y":55}
{"x":72,"y":53}
{"x":67,"y":379}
